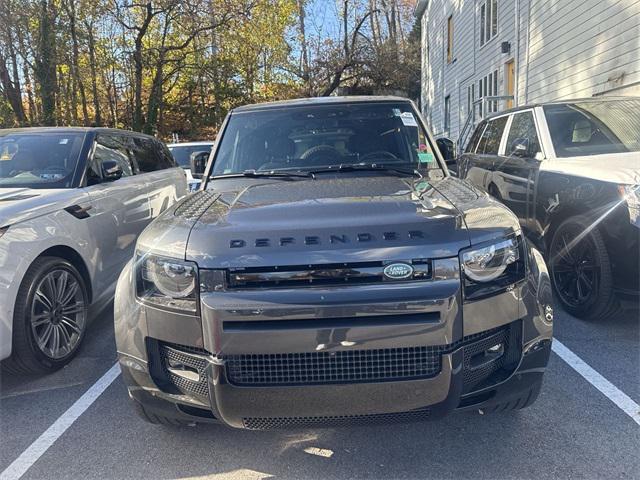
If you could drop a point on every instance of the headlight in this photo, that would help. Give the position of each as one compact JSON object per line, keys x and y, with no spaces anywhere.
{"x":492,"y":268}
{"x":488,"y":263}
{"x":167,"y":282}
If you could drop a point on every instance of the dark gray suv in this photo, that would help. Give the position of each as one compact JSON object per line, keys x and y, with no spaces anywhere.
{"x":330,"y":271}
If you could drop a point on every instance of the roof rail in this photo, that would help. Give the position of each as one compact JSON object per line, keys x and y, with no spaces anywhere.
{"x":472,"y":118}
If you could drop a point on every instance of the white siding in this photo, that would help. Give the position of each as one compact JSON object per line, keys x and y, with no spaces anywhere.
{"x":582,"y":48}
{"x":578,"y":48}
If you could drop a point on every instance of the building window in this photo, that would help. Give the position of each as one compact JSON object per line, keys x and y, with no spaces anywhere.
{"x":447,"y":113}
{"x":450,"y":39}
{"x":488,"y":20}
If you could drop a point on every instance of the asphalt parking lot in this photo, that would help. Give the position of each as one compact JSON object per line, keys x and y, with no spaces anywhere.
{"x":573,"y":431}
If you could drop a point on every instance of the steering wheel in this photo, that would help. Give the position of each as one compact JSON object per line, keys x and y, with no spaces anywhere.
{"x":379,"y":155}
{"x":321,"y":153}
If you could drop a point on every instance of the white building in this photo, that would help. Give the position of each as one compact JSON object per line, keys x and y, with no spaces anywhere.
{"x":533,"y":50}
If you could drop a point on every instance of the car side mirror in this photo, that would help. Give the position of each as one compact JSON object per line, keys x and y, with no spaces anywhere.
{"x":447,"y":149}
{"x":520,"y":147}
{"x":111,"y":170}
{"x":198,"y":162}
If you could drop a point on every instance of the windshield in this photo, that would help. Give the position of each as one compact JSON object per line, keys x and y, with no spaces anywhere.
{"x":324,"y":136}
{"x":182,"y":153}
{"x":594,"y":128}
{"x":39,"y":160}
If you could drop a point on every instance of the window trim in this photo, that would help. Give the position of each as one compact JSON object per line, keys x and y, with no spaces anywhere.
{"x":446,"y":123}
{"x":450,"y":39}
{"x":490,"y":17}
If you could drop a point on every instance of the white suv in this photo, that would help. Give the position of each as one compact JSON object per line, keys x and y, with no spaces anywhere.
{"x":72,"y":204}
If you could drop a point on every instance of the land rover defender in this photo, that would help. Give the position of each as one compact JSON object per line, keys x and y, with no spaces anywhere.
{"x":330,"y":271}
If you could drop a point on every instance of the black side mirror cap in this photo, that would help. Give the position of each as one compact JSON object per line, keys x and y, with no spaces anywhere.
{"x":198,"y":162}
{"x":447,"y":149}
{"x":111,"y":170}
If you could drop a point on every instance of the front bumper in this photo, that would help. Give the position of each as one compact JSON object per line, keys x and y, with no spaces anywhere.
{"x":347,"y":361}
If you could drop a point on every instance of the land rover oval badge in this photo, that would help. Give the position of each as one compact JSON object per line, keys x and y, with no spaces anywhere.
{"x":398,"y":271}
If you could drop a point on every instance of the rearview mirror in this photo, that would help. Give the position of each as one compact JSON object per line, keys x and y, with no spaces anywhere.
{"x":520,"y":147}
{"x":111,"y":170}
{"x":198,"y":161}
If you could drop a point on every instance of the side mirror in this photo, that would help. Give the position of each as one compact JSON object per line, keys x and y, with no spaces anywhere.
{"x":111,"y":170}
{"x":520,"y":147}
{"x":447,"y":149}
{"x":198,"y":162}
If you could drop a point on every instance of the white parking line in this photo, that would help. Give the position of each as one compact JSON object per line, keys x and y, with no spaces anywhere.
{"x":27,"y":458}
{"x":613,"y":393}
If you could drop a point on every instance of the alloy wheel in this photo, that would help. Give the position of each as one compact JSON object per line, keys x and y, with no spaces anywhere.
{"x":575,"y":266}
{"x":58,"y":313}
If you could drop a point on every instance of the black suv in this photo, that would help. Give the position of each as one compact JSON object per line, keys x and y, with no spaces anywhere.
{"x":570,"y":171}
{"x":330,"y":271}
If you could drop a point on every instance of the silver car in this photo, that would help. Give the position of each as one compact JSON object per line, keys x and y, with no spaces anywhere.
{"x":72,"y":204}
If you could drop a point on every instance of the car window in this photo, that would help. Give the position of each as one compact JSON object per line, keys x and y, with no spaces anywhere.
{"x":490,"y":141}
{"x":110,"y":147}
{"x":592,"y":128}
{"x":33,"y":159}
{"x":148,"y":155}
{"x":523,"y":130}
{"x":473,"y":143}
{"x":316,"y":137}
{"x":182,"y":153}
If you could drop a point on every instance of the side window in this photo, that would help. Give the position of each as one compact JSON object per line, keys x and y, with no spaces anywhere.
{"x":151,"y":155}
{"x":494,"y":136}
{"x":523,"y":130}
{"x":473,"y":143}
{"x":109,"y":147}
{"x":166,"y":159}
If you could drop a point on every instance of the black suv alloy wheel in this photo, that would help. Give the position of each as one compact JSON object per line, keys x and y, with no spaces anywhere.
{"x":581,"y":269}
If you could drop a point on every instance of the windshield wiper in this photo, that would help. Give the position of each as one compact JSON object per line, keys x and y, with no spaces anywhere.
{"x":267,"y":174}
{"x":371,"y":167}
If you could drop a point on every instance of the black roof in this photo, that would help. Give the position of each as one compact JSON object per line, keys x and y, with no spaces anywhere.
{"x":303,"y":102}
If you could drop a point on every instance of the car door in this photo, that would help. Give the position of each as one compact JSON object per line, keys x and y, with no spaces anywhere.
{"x":517,"y":167}
{"x":165,"y":181}
{"x":119,"y":208}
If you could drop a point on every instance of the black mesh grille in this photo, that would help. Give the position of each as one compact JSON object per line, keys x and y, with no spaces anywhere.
{"x":334,"y":367}
{"x":482,"y":375}
{"x":196,"y":204}
{"x":172,"y":356}
{"x":346,"y":366}
{"x":268,"y":423}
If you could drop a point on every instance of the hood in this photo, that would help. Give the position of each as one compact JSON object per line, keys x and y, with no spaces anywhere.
{"x":620,"y":168}
{"x":342,"y":218}
{"x":20,"y":204}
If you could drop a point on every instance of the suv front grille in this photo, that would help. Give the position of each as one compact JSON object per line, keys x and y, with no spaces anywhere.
{"x":357,"y":366}
{"x":320,"y":275}
{"x":268,"y":423}
{"x":345,"y":366}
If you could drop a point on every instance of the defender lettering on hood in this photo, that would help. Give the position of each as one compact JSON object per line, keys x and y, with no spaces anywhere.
{"x":331,"y":239}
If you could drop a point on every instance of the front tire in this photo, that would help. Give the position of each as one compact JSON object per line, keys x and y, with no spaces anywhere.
{"x":581,"y":270}
{"x":50,"y":317}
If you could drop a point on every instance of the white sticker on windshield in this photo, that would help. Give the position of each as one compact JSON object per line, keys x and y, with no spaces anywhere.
{"x":408,"y":120}
{"x":63,"y":141}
